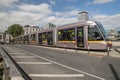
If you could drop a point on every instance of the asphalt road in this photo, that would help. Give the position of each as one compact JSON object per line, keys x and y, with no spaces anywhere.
{"x":80,"y":66}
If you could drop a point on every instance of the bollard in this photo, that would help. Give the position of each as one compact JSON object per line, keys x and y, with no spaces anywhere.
{"x":76,"y":48}
{"x":108,"y":51}
{"x":65,"y":46}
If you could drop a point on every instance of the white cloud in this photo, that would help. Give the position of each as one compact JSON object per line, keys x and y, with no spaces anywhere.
{"x":100,"y":16}
{"x":7,"y":3}
{"x":102,"y":1}
{"x":52,"y":2}
{"x":67,"y":13}
{"x":3,"y":14}
{"x":38,"y":15}
{"x":73,"y":0}
{"x":109,"y":22}
{"x":25,"y":14}
{"x":49,"y":19}
{"x":66,"y":17}
{"x":41,"y":8}
{"x":63,"y":20}
{"x":41,"y":14}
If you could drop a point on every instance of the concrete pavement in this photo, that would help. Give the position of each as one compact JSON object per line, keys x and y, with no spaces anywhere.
{"x":75,"y":60}
{"x":112,"y":52}
{"x":40,"y":68}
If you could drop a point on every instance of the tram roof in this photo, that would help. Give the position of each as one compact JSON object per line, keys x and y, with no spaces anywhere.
{"x":45,"y":30}
{"x":76,"y":24}
{"x":71,"y":25}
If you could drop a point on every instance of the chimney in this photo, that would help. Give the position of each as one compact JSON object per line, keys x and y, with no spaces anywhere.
{"x":83,"y":16}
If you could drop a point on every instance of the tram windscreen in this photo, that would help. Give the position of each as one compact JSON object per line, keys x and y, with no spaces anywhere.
{"x":102,"y":30}
{"x":94,"y":33}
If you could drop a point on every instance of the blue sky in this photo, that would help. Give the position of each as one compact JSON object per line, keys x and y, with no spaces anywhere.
{"x":110,"y":7}
{"x":41,"y":12}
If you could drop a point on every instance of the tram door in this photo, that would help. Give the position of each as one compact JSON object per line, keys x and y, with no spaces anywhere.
{"x":80,"y":37}
{"x":50,"y":38}
{"x":26,"y":39}
{"x":40,"y":38}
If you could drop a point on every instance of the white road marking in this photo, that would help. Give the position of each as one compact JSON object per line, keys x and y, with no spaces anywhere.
{"x":17,"y":53}
{"x":97,"y":77}
{"x":34,"y":63}
{"x":23,"y":56}
{"x":56,"y":75}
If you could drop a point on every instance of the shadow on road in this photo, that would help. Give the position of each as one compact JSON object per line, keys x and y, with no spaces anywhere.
{"x":117,"y":50}
{"x":114,"y":72}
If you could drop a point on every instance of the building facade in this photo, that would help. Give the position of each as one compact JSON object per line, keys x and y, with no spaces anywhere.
{"x":113,"y":35}
{"x":49,"y":26}
{"x":83,"y":16}
{"x":1,"y":37}
{"x":5,"y":38}
{"x":30,"y":29}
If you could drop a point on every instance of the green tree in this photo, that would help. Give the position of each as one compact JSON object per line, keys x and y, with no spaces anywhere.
{"x":15,"y":30}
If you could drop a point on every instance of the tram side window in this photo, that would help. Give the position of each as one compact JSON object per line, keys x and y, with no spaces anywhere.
{"x":70,"y":34}
{"x":40,"y":35}
{"x":94,"y":33}
{"x":62,"y":35}
{"x":33,"y":37}
{"x":49,"y":35}
{"x":67,"y":34}
{"x":44,"y":36}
